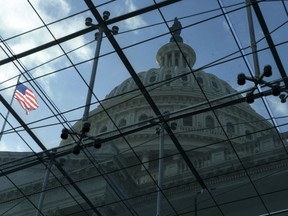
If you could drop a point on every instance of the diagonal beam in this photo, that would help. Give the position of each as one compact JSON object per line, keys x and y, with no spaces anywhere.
{"x":40,"y":144}
{"x":84,"y":31}
{"x":270,"y":41}
{"x":142,"y":88}
{"x":58,"y":154}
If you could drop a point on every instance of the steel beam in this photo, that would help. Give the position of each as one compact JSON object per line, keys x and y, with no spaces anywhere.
{"x":270,"y":41}
{"x":144,"y":91}
{"x":84,"y":31}
{"x":41,"y":145}
{"x":173,"y":116}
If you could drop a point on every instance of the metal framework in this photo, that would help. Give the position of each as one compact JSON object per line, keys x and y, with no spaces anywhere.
{"x":159,"y":118}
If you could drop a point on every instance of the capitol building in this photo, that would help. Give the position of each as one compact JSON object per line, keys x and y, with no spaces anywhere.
{"x":205,"y":158}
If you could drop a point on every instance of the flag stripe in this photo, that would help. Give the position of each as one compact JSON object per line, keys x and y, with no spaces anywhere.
{"x":29,"y":102}
{"x":31,"y":99}
{"x":26,"y":98}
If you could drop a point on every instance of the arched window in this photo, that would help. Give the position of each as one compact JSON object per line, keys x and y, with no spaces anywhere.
{"x":142,"y":117}
{"x":152,"y":78}
{"x":168,"y":79}
{"x":184,"y":78}
{"x":168,"y":76}
{"x":228,"y":90}
{"x":248,"y":135}
{"x":200,"y":80}
{"x":187,"y":121}
{"x":230,"y":128}
{"x":169,"y":60}
{"x":122,"y":123}
{"x":209,"y":122}
{"x":214,"y":84}
{"x":103,"y":129}
{"x":177,"y":58}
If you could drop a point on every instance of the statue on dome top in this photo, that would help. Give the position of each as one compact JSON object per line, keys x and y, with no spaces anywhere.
{"x":176,"y":31}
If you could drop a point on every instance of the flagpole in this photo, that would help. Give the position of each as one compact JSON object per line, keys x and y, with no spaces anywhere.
{"x":6,"y":117}
{"x":252,"y":39}
{"x":160,"y":170}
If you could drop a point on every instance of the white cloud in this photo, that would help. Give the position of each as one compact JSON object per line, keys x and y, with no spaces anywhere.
{"x":4,"y":146}
{"x":52,"y":9}
{"x":15,"y":18}
{"x":131,"y":23}
{"x":20,"y":17}
{"x":279,"y":109}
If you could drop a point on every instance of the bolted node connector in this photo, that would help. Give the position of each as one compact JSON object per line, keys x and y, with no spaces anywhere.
{"x":64,"y":133}
{"x":173,"y":125}
{"x":283,"y":98}
{"x":106,"y":15}
{"x":86,"y":127}
{"x":88,"y":21}
{"x":267,"y":71}
{"x":249,"y":98}
{"x":276,"y":90}
{"x":97,"y":144}
{"x":115,"y":30}
{"x":241,"y":79}
{"x":76,"y":150}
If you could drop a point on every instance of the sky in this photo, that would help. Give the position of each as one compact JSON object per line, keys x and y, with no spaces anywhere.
{"x":28,"y":24}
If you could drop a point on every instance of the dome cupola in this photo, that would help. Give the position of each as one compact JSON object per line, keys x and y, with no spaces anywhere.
{"x":176,"y":53}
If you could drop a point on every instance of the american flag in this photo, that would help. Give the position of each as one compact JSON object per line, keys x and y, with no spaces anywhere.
{"x":26,"y":98}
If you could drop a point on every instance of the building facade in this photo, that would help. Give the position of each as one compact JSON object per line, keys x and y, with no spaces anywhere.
{"x":230,"y":147}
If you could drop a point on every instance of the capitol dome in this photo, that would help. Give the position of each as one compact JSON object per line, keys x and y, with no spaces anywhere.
{"x":194,"y":138}
{"x":213,"y":139}
{"x":177,"y":89}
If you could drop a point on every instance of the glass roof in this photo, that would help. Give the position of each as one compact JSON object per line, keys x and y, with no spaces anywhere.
{"x":224,"y":134}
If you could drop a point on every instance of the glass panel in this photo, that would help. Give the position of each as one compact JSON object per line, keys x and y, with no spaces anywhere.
{"x":184,"y":105}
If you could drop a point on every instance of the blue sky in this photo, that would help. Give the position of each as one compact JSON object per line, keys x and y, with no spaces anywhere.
{"x":211,"y":40}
